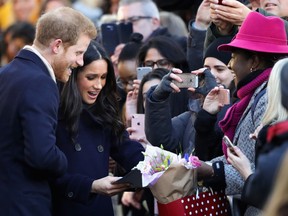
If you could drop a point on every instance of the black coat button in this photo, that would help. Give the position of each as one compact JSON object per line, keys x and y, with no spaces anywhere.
{"x":100,"y":148}
{"x":70,"y":194}
{"x":77,"y":147}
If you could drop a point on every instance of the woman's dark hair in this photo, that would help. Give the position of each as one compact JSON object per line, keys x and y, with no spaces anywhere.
{"x":157,"y":73}
{"x":168,"y":48}
{"x":105,"y":110}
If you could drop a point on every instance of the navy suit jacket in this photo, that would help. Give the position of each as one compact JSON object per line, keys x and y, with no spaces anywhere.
{"x":28,"y":154}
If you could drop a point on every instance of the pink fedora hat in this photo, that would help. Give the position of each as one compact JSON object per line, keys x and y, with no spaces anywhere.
{"x":261,"y":34}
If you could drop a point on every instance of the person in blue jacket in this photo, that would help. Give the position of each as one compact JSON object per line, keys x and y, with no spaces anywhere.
{"x":29,"y":105}
{"x":89,"y":131}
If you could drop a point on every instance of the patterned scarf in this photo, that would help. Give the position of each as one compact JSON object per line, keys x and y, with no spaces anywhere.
{"x":235,"y":112}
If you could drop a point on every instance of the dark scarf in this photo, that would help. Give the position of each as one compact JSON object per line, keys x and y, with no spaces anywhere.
{"x":235,"y":112}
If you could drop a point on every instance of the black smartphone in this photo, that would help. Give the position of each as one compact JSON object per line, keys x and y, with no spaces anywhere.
{"x":110,"y":38}
{"x":189,"y":80}
{"x":114,"y":34}
{"x":142,"y":71}
{"x":124,"y":31}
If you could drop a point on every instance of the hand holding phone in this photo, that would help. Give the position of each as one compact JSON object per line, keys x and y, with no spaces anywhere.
{"x":137,"y":123}
{"x":189,"y":80}
{"x":229,"y":144}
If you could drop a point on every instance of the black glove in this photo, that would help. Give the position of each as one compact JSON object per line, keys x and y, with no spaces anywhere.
{"x":217,"y":181}
{"x":209,"y":83}
{"x":163,"y":89}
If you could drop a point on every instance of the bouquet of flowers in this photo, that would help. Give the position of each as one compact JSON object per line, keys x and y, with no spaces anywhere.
{"x":169,"y":176}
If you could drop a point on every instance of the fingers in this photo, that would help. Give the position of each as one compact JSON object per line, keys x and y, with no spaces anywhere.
{"x":231,"y":153}
{"x":130,"y":130}
{"x":253,"y":136}
{"x":191,"y":89}
{"x":174,"y":87}
{"x":176,"y":70}
{"x":175,"y":77}
{"x":128,"y":200}
{"x":199,"y":71}
{"x":136,"y":84}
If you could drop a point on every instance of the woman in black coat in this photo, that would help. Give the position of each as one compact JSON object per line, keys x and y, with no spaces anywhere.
{"x":90,"y":130}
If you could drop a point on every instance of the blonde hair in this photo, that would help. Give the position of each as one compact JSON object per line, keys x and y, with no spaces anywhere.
{"x":275,"y":112}
{"x":63,"y":23}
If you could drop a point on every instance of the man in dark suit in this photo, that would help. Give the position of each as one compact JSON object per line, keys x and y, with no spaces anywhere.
{"x":29,"y":104}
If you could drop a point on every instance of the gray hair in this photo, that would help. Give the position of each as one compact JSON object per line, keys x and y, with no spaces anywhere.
{"x":149,"y":7}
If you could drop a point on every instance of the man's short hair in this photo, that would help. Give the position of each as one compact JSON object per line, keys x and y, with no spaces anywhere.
{"x":63,"y":23}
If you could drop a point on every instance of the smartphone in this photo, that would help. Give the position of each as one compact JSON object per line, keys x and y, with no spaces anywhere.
{"x":228,"y":142}
{"x":137,"y":123}
{"x":134,"y":178}
{"x":189,"y":80}
{"x":224,"y":96}
{"x":110,"y":38}
{"x":125,"y":30}
{"x":142,"y":71}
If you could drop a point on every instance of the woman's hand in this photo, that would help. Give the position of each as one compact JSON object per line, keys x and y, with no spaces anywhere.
{"x":230,"y":11}
{"x":130,"y":105}
{"x":202,"y":20}
{"x":107,"y":186}
{"x":166,"y":86}
{"x":209,"y":81}
{"x":142,"y":138}
{"x":256,"y":132}
{"x":132,"y":199}
{"x":239,"y":161}
{"x":212,"y":103}
{"x":204,"y":171}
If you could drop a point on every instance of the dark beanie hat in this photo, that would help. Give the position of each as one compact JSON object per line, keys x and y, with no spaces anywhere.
{"x":284,"y":85}
{"x":212,"y":51}
{"x":131,"y":48}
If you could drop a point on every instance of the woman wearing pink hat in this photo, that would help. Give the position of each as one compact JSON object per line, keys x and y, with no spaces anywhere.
{"x":254,"y":52}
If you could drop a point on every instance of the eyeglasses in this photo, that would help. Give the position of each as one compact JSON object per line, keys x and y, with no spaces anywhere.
{"x":134,"y":19}
{"x":123,"y":83}
{"x":163,"y":63}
